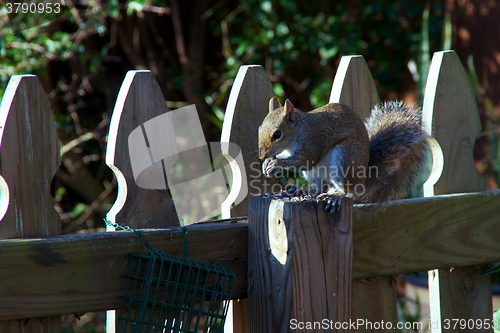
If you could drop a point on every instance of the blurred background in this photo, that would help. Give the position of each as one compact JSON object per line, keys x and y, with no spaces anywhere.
{"x":194,"y":49}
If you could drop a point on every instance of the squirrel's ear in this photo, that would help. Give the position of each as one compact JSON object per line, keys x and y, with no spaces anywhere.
{"x":289,"y":111}
{"x":274,"y":104}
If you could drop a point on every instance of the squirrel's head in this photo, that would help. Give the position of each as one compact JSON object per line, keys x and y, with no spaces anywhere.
{"x":277,"y":130}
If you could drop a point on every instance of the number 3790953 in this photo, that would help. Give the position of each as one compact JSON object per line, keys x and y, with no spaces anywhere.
{"x":33,"y":8}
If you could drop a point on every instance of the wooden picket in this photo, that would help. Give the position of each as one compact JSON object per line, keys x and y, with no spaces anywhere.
{"x":139,"y":100}
{"x":353,"y":85}
{"x":29,"y":159}
{"x":247,"y":107}
{"x":450,"y":115}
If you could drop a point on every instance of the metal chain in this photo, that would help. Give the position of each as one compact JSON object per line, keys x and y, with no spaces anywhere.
{"x":127,"y":228}
{"x":144,"y":240}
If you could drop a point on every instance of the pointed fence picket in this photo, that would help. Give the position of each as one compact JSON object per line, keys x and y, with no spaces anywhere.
{"x":450,"y":115}
{"x":353,"y":85}
{"x":29,"y":158}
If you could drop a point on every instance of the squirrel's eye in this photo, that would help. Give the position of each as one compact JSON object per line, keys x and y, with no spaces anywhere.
{"x":277,"y":135}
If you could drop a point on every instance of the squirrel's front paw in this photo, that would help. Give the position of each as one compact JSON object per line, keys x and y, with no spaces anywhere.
{"x":270,"y":166}
{"x":333,"y":201}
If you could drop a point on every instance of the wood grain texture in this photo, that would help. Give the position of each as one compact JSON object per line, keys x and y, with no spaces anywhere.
{"x":466,"y":286}
{"x":139,"y":100}
{"x":240,"y":316}
{"x":450,"y":114}
{"x":415,"y":235}
{"x":247,"y":107}
{"x":33,"y":325}
{"x":378,"y":296}
{"x":315,"y":281}
{"x":29,"y":158}
{"x":267,"y":278}
{"x":322,"y":262}
{"x":353,"y":86}
{"x":84,"y":272}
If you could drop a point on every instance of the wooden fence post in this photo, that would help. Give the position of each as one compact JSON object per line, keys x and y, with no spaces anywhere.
{"x":247,"y":107}
{"x":373,"y":300}
{"x":29,"y":159}
{"x":299,"y":266}
{"x":451,"y":117}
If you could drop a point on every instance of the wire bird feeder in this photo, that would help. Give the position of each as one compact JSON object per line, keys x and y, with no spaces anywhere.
{"x":169,"y":294}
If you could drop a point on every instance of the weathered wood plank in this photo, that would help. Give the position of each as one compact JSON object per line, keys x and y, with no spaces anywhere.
{"x":85,"y":272}
{"x":299,"y":264}
{"x":451,"y":117}
{"x":240,"y":316}
{"x":29,"y":159}
{"x":266,"y":307}
{"x":353,"y":85}
{"x":247,"y":107}
{"x":33,"y":325}
{"x":378,"y":295}
{"x":139,"y":100}
{"x":415,"y":234}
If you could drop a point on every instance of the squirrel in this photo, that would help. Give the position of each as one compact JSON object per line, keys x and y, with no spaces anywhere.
{"x":339,"y":155}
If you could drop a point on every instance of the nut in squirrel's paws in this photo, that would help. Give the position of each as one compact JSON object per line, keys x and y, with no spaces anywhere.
{"x":270,"y":166}
{"x":333,"y":201}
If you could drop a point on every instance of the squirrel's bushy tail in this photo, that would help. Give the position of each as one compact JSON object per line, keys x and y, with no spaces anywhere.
{"x":398,"y":150}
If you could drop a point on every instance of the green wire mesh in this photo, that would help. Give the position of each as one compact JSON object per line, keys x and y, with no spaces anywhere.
{"x":170,"y":294}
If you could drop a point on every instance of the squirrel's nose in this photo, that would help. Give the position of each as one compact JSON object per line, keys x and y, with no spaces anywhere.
{"x":262,"y":153}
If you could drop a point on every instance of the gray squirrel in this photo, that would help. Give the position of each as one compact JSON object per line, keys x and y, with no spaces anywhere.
{"x":339,"y":155}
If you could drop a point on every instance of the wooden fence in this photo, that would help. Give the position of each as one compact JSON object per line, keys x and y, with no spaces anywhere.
{"x":291,"y":260}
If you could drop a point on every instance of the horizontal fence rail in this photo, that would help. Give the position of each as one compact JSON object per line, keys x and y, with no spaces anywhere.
{"x":83,"y":272}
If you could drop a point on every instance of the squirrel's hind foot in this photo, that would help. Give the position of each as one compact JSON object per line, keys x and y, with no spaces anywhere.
{"x":333,"y":201}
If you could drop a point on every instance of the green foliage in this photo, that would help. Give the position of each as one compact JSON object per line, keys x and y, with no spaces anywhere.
{"x":496,"y":320}
{"x":37,"y":39}
{"x":300,"y":43}
{"x":424,"y":54}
